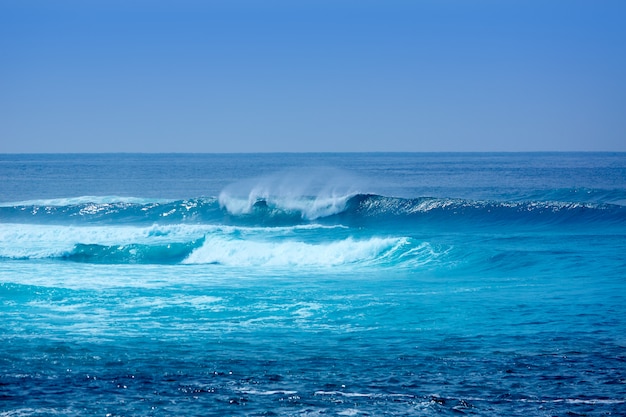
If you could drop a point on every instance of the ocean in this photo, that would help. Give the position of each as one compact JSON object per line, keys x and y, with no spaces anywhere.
{"x":490,"y":284}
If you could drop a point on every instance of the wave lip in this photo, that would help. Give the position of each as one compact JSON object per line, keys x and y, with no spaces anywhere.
{"x":373,"y":251}
{"x":306,"y":246}
{"x":271,"y":207}
{"x":170,"y":253}
{"x":310,"y":194}
{"x":87,"y":243}
{"x":278,"y":204}
{"x":103,"y":210}
{"x":371,"y":206}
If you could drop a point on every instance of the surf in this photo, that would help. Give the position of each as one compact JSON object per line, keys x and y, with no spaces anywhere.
{"x":296,"y":246}
{"x":312,"y":194}
{"x":290,"y":253}
{"x":259,"y":207}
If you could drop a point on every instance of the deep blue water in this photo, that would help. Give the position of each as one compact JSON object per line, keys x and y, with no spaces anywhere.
{"x":313,"y":284}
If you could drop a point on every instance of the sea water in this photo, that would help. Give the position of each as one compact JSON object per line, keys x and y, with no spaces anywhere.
{"x":313,"y":284}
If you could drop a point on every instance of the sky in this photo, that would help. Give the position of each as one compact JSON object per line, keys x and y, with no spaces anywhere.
{"x":312,"y":76}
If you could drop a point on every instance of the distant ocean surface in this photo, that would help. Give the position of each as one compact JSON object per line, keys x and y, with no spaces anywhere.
{"x":488,"y":284}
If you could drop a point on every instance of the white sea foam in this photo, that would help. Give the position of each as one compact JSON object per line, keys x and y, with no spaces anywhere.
{"x":362,"y":394}
{"x":268,"y":392}
{"x":313,"y":193}
{"x":28,"y":241}
{"x":307,"y":207}
{"x":223,"y":245}
{"x":284,"y":253}
{"x":72,"y":201}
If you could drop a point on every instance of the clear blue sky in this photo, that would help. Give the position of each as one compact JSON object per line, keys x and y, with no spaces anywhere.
{"x":250,"y":76}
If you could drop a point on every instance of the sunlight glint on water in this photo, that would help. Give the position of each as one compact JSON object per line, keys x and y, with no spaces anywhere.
{"x":372,"y":284}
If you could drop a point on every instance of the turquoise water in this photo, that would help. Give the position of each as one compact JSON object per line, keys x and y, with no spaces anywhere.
{"x":313,"y":284}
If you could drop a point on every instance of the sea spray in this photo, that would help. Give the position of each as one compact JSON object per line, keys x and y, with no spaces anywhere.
{"x":481,"y":284}
{"x":309,"y":193}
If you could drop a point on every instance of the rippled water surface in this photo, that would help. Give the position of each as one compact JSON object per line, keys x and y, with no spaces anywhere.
{"x":317,"y":284}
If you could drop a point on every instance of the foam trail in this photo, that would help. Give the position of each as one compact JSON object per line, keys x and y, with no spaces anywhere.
{"x":22,"y":241}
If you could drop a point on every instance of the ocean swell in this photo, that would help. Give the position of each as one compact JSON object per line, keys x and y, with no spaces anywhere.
{"x":466,"y":212}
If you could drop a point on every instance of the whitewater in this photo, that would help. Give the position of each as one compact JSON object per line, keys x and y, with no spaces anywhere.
{"x":313,"y":284}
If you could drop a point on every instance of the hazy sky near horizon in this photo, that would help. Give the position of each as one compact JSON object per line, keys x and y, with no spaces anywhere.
{"x":309,"y":76}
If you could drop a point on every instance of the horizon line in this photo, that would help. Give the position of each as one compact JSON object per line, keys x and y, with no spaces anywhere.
{"x":306,"y":152}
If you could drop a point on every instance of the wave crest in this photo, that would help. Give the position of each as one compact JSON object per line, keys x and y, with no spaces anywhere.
{"x":278,"y":206}
{"x":459,"y":211}
{"x":307,"y":246}
{"x":310,"y":194}
{"x":391,"y":251}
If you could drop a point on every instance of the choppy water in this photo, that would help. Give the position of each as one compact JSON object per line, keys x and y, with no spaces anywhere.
{"x":313,"y":284}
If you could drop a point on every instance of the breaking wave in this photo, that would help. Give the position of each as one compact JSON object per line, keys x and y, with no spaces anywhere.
{"x":259,"y":209}
{"x":276,"y":224}
{"x":301,"y":246}
{"x":290,"y":253}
